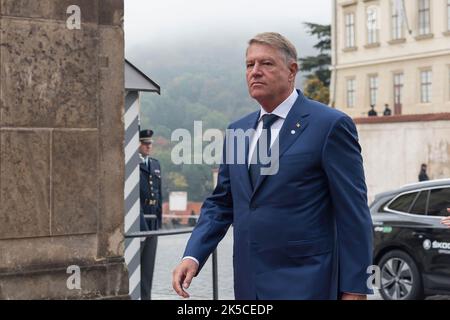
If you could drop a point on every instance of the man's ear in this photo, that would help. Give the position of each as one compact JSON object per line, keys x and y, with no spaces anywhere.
{"x":293,"y":68}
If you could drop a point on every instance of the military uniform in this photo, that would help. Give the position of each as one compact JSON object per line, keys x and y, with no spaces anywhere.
{"x":151,"y":198}
{"x":151,"y":203}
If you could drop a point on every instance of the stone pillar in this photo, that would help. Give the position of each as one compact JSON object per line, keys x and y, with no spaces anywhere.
{"x":61,"y":150}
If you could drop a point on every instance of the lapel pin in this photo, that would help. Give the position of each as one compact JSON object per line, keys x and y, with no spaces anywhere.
{"x":298,"y":124}
{"x":293,"y":132}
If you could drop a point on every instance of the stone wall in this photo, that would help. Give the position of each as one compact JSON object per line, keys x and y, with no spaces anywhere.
{"x":394,"y":147}
{"x":61,"y":147}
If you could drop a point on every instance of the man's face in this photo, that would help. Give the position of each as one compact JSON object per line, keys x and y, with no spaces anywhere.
{"x":145,"y":149}
{"x":270,"y":80}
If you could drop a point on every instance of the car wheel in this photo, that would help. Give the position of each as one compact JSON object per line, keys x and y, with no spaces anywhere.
{"x":400,"y":277}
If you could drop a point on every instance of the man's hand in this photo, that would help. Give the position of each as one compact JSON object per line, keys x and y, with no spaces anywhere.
{"x":446,"y":220}
{"x":351,"y":296}
{"x":182,"y":276}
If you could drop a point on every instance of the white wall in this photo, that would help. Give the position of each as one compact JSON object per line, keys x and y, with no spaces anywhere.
{"x":393,"y":152}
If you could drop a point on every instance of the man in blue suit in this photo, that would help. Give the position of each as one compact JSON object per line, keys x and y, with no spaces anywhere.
{"x":303,"y":231}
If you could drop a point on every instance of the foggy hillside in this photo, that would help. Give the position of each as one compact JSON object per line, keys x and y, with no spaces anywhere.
{"x":202,"y":78}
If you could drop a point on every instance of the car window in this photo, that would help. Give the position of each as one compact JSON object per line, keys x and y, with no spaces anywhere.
{"x":420,"y":205}
{"x":403,"y":203}
{"x":439,"y":202}
{"x":382,"y":207}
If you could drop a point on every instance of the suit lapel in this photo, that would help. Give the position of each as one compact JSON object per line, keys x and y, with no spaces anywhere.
{"x":294,"y":125}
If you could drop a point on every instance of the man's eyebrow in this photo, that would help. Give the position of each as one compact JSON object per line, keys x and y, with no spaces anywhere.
{"x":260,"y":59}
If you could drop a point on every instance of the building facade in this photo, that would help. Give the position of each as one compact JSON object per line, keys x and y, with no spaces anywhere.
{"x":391,"y":52}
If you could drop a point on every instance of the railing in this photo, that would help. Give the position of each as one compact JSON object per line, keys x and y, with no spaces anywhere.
{"x":161,"y":233}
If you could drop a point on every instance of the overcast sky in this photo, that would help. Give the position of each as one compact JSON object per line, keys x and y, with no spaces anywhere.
{"x":165,"y":22}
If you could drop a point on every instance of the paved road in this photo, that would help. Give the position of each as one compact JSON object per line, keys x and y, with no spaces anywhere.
{"x":170,"y":250}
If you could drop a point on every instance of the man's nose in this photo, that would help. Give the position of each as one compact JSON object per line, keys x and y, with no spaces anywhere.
{"x":256,"y":71}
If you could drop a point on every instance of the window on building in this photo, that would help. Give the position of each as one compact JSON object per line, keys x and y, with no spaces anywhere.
{"x":350,"y":30}
{"x":373,"y":89}
{"x":425,"y":86}
{"x":448,"y":15}
{"x":372,"y":32}
{"x":424,"y":17}
{"x":397,"y":22}
{"x":448,"y":83}
{"x":398,"y":88}
{"x":351,"y":93}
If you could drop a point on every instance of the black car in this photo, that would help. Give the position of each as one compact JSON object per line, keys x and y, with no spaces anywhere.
{"x":411,"y":246}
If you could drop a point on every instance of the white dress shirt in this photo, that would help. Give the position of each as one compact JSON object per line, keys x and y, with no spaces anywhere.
{"x":281,"y":111}
{"x":144,"y":159}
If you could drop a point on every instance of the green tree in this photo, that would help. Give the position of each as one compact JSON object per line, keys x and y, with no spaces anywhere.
{"x":315,"y":89}
{"x":199,"y":179}
{"x":177,"y":181}
{"x":318,"y":66}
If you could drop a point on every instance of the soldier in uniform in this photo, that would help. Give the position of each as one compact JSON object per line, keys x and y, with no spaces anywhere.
{"x":387,"y":110}
{"x":151,"y":204}
{"x":372,"y":112}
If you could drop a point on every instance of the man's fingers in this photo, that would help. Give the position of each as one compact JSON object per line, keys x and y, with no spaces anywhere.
{"x":187,"y":281}
{"x":350,"y":296}
{"x":182,"y":276}
{"x":177,"y":279}
{"x":446,"y":221}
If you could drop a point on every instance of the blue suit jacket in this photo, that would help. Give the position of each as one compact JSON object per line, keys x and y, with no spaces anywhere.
{"x":305,"y":232}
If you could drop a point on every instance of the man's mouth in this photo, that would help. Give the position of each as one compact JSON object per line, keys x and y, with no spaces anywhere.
{"x":257,"y":83}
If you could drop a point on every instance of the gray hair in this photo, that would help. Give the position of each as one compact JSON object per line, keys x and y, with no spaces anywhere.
{"x":276,"y":41}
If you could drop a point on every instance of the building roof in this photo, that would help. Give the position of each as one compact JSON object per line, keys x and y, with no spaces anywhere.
{"x":404,"y":118}
{"x":136,"y":80}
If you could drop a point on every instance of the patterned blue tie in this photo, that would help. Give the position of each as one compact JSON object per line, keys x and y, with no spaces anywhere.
{"x":255,"y":166}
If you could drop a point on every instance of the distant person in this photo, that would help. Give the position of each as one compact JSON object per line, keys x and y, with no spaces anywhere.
{"x":151,"y":204}
{"x":372,"y":112}
{"x":446,"y":220}
{"x":304,"y":232}
{"x":387,"y":111}
{"x":192,"y":220}
{"x":423,"y":176}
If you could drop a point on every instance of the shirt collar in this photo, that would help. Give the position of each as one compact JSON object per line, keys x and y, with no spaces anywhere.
{"x":283,"y":109}
{"x":144,"y":159}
